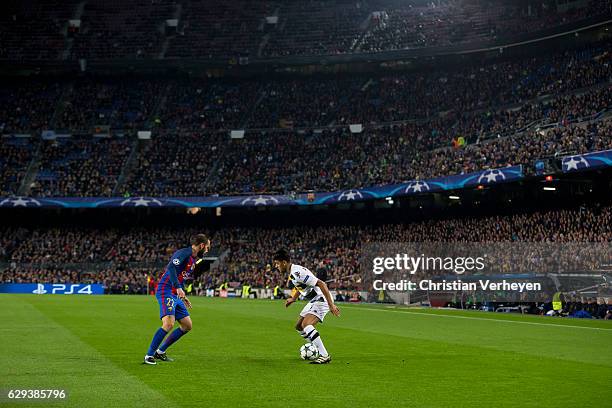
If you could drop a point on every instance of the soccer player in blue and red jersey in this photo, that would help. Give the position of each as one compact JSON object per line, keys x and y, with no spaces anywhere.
{"x":173,"y":303}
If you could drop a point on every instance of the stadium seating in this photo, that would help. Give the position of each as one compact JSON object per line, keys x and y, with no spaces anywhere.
{"x":219,"y":29}
{"x":297,"y":136}
{"x":122,"y":29}
{"x":35,"y":30}
{"x":174,"y":165}
{"x":29,"y":105}
{"x":194,"y":163}
{"x":15,"y":155}
{"x":120,"y":104}
{"x":74,"y":167}
{"x":106,"y":255}
{"x":135,"y":29}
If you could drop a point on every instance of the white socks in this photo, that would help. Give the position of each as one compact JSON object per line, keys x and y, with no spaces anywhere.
{"x":310,"y":333}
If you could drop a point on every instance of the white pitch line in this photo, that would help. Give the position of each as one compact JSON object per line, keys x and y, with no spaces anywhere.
{"x":480,"y":318}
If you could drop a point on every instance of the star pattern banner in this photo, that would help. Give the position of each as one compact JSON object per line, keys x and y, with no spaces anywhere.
{"x":588,"y":161}
{"x":485,"y":177}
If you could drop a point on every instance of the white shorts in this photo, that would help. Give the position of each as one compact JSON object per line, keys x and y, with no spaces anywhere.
{"x":318,"y":309}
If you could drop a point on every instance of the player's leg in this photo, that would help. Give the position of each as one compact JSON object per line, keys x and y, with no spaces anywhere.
{"x":166,"y":314}
{"x":312,"y":334}
{"x":315,"y":314}
{"x":183,"y":329}
{"x":158,"y":337}
{"x":299,"y":328}
{"x":182,"y":316}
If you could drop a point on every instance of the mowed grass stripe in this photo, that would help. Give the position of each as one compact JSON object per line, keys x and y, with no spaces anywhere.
{"x":593,"y":347}
{"x":245,"y":353}
{"x":39,"y":353}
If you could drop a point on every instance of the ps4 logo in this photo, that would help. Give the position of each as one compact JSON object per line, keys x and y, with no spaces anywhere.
{"x":40,"y":290}
{"x":60,"y":289}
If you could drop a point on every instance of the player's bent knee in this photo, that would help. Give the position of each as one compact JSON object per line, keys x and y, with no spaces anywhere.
{"x":167,"y":324}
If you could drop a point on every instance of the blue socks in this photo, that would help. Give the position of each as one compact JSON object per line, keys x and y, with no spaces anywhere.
{"x":157,"y":339}
{"x":173,"y":337}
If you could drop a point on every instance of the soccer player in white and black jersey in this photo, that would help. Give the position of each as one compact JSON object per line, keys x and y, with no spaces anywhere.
{"x":320,"y":301}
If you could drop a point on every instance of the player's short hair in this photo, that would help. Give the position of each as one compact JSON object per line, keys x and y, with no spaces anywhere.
{"x":281,"y":255}
{"x":199,"y":239}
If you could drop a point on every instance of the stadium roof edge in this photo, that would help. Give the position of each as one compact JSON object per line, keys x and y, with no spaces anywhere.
{"x":467,"y":49}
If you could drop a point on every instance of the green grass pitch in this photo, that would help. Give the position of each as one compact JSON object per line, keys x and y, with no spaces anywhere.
{"x":245,"y":353}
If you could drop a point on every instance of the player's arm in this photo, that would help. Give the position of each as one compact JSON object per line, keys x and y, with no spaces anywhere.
{"x":174,"y":279}
{"x":180,"y":292}
{"x":291,"y":299}
{"x":173,"y":269}
{"x":328,"y":297}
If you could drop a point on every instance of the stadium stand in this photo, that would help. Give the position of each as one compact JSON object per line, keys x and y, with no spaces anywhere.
{"x":34,"y":30}
{"x":400,"y":25}
{"x":15,"y":155}
{"x":28,"y":106}
{"x":121,"y":29}
{"x":219,"y":29}
{"x":136,"y":29}
{"x":209,"y":163}
{"x":105,"y":255}
{"x":73,"y":167}
{"x":175,"y":165}
{"x":297,"y":136}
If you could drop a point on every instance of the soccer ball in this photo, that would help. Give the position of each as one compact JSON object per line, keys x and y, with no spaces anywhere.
{"x":309,"y":351}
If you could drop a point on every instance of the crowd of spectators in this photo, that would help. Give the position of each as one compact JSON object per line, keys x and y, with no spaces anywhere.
{"x":201,"y":105}
{"x":80,"y":166}
{"x":127,"y":104}
{"x":28,"y":106}
{"x":319,"y":102}
{"x":197,"y":104}
{"x":34,"y":30}
{"x":401,"y":25}
{"x":220,"y":29}
{"x":15,"y":156}
{"x":60,"y":246}
{"x":174,"y":165}
{"x":191,"y":164}
{"x":316,"y":27}
{"x":127,"y":256}
{"x":515,"y":21}
{"x":121,"y":29}
{"x":331,"y":161}
{"x":131,"y":29}
{"x":309,"y":146}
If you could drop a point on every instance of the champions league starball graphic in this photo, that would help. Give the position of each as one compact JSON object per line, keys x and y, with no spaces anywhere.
{"x":260,"y":200}
{"x":574,"y":163}
{"x":491,"y":176}
{"x":20,"y":202}
{"x":350,"y":195}
{"x":141,"y":202}
{"x":417,"y":187}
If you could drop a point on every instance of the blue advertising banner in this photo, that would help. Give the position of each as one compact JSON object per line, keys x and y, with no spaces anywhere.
{"x":588,"y":161}
{"x":459,"y":181}
{"x":53,"y":288}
